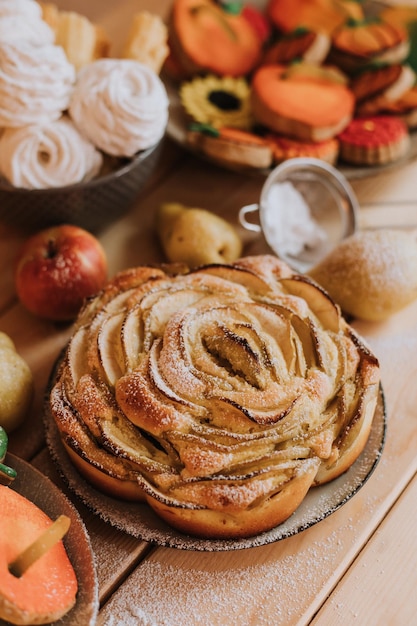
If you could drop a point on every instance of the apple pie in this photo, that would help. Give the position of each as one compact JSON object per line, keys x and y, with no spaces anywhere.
{"x":219,"y":396}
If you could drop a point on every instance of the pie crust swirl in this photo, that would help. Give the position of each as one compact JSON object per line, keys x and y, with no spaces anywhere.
{"x":218,"y":395}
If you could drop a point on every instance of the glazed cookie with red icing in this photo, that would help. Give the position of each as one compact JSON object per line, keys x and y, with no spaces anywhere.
{"x":374,"y":140}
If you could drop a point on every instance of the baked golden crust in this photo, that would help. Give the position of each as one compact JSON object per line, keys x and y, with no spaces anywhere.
{"x":220,"y":395}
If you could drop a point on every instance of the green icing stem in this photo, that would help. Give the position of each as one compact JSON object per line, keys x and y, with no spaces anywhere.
{"x":7,"y":474}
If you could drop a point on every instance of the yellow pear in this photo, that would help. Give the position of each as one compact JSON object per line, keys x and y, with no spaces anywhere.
{"x":16,"y":385}
{"x":371,"y":274}
{"x":196,"y":236}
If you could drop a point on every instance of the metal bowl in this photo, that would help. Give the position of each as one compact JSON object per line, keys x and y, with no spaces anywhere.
{"x":92,"y":205}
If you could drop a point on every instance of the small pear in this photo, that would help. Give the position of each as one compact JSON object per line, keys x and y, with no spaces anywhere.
{"x":16,"y":385}
{"x":372,"y":274}
{"x":196,"y":236}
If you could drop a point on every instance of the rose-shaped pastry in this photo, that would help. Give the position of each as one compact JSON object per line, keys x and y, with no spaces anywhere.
{"x":35,"y":83}
{"x":121,"y":105}
{"x":21,"y":20}
{"x":50,"y":155}
{"x":220,"y":395}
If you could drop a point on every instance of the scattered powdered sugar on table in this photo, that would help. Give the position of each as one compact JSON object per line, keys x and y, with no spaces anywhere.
{"x":163,"y":595}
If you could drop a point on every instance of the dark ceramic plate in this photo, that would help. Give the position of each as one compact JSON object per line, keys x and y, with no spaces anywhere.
{"x":92,"y":205}
{"x":140,"y":521}
{"x":45,"y":494}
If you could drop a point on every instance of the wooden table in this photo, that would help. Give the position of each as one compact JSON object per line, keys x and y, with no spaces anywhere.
{"x":355,"y":567}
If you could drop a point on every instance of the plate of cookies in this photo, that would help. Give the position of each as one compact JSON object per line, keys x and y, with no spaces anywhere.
{"x":254,"y":85}
{"x":220,"y":408}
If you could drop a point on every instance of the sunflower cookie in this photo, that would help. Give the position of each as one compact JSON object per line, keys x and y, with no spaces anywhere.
{"x":374,"y":140}
{"x":218,"y":101}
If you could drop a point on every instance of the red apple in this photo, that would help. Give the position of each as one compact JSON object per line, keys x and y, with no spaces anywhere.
{"x":57,"y":269}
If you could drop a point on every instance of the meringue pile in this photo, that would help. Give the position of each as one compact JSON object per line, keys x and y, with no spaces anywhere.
{"x":55,"y":122}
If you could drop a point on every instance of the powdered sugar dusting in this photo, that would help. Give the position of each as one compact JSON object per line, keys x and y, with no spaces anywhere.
{"x":138,"y":520}
{"x":161,"y":594}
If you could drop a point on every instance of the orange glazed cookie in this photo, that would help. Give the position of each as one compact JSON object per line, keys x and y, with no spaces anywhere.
{"x":304,"y":104}
{"x":404,"y":107}
{"x":323,"y":15}
{"x":374,"y":140}
{"x":308,"y":45}
{"x":203,"y":37}
{"x":233,"y":147}
{"x":356,"y":45}
{"x":285,"y":148}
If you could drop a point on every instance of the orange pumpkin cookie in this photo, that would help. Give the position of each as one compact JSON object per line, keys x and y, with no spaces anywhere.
{"x":374,"y":140}
{"x":308,"y":45}
{"x":203,"y":37}
{"x":387,"y":81}
{"x":47,"y":589}
{"x":284,"y":148}
{"x":309,"y":105}
{"x":356,"y":45}
{"x":321,"y":15}
{"x":232,"y":147}
{"x":405,"y":107}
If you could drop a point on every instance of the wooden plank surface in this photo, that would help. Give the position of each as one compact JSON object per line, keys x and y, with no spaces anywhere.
{"x":357,"y":566}
{"x":381,"y":588}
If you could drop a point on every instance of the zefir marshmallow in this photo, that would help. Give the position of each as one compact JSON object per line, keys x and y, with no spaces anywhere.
{"x":50,"y":155}
{"x":121,"y":105}
{"x":36,"y":83}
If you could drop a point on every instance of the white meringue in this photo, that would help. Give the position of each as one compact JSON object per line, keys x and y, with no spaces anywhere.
{"x":21,"y":7}
{"x":51,"y":155}
{"x":121,"y":105}
{"x":36,"y":83}
{"x":21,"y":20}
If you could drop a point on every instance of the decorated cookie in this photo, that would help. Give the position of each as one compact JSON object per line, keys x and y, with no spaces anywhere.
{"x":205,"y":37}
{"x":303,"y":102}
{"x":374,"y":140}
{"x":322,"y":15}
{"x":284,"y":148}
{"x":308,"y":45}
{"x":387,"y":81}
{"x":357,"y":44}
{"x":232,"y":147}
{"x":217,"y":101}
